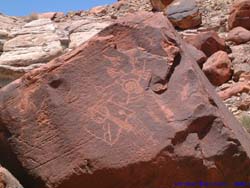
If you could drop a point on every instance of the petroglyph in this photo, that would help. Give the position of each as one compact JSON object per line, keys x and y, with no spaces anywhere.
{"x":116,"y":113}
{"x":25,"y":103}
{"x":112,"y":112}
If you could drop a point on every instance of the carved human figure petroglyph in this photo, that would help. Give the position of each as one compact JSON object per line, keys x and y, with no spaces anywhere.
{"x":112,"y":111}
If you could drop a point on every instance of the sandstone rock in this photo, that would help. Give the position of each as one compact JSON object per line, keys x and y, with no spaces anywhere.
{"x":36,"y":42}
{"x":7,"y":180}
{"x":35,"y":27}
{"x":4,"y":36}
{"x":209,"y":42}
{"x":184,"y":14}
{"x":27,"y":55}
{"x":47,"y":15}
{"x":240,"y":14}
{"x":8,"y":22}
{"x":118,"y":5}
{"x":129,"y":107}
{"x":11,"y":73}
{"x":160,"y":5}
{"x":50,"y":15}
{"x":218,"y":68}
{"x":99,"y":10}
{"x":239,"y":35}
{"x":85,"y":29}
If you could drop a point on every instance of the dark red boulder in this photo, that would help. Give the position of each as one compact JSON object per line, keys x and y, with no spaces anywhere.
{"x":130,"y":108}
{"x":240,"y":14}
{"x":209,"y":42}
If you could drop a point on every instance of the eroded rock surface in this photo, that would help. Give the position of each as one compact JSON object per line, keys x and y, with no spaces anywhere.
{"x":134,"y":91}
{"x":30,"y":45}
{"x":240,"y":14}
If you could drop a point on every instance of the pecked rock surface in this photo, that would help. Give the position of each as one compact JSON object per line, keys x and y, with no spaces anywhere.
{"x":130,"y":102}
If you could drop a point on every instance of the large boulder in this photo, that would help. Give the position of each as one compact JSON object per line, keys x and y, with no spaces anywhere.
{"x":130,"y":107}
{"x":238,"y":35}
{"x":218,"y":68}
{"x":184,"y":14}
{"x":209,"y":42}
{"x":240,"y":14}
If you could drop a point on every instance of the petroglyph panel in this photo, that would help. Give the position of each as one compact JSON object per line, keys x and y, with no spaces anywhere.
{"x":119,"y":105}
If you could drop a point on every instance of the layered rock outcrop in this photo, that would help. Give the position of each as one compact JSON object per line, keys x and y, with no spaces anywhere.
{"x":130,"y":102}
{"x":26,"y":46}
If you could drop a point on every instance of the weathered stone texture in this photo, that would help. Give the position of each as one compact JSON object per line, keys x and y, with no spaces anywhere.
{"x":130,"y":107}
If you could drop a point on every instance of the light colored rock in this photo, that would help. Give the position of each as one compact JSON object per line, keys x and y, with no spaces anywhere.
{"x":36,"y":42}
{"x":8,"y":22}
{"x":99,"y":10}
{"x":238,"y":35}
{"x":239,"y":69}
{"x":30,"y":40}
{"x":27,"y":56}
{"x":235,"y":89}
{"x":50,"y":15}
{"x":8,"y":180}
{"x":38,"y":23}
{"x":241,"y":53}
{"x":35,"y":27}
{"x":4,"y":36}
{"x":85,"y":31}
